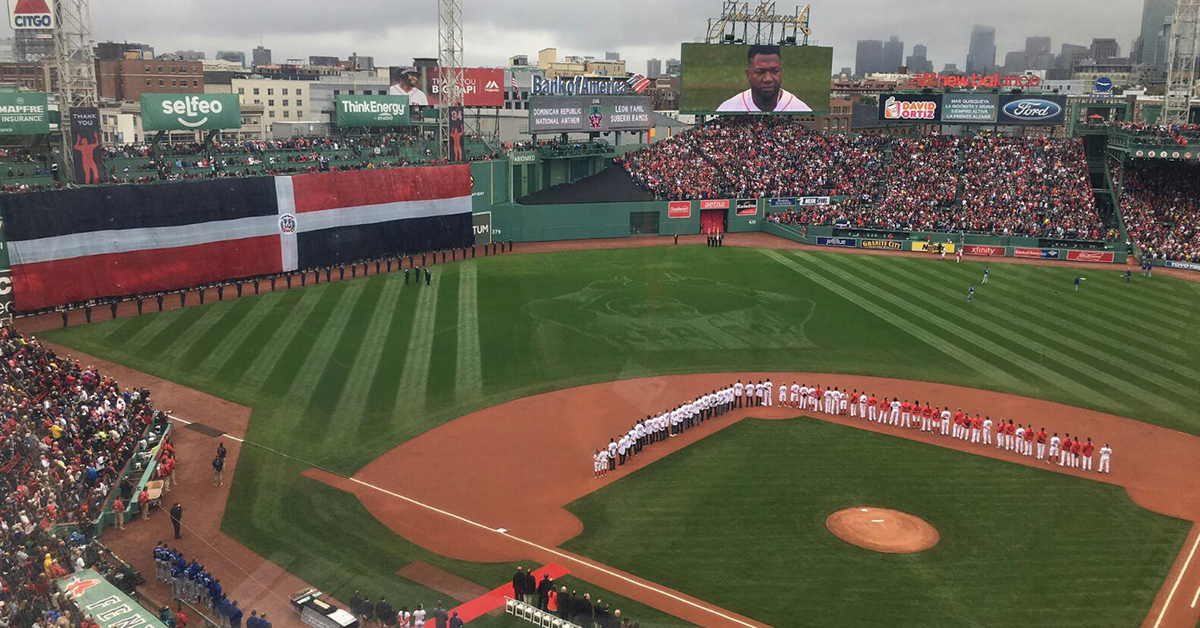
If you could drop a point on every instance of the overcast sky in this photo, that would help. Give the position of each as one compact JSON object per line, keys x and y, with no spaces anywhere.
{"x":395,"y":31}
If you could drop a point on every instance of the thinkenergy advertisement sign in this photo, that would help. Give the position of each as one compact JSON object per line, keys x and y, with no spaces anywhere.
{"x":190,"y":112}
{"x":355,"y":111}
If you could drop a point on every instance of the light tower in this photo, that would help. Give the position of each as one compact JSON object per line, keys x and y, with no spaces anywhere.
{"x":75,"y":66}
{"x":1181,"y":57}
{"x":450,"y":62}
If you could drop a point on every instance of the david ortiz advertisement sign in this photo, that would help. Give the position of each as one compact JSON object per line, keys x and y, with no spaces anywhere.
{"x":482,"y":87}
{"x":679,"y":209}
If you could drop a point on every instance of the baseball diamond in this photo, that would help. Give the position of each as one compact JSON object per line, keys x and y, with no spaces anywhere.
{"x":741,"y":341}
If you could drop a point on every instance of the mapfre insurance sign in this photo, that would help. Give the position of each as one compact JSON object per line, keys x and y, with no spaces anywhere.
{"x":30,"y":14}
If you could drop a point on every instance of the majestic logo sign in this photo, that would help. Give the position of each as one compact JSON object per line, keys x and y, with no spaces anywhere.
{"x":909,"y":110}
{"x":31,"y":14}
{"x":1032,"y":109}
{"x":721,"y":204}
{"x":679,"y":209}
{"x":287,"y":223}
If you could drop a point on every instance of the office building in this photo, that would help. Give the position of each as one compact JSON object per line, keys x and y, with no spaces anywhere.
{"x":260,"y":56}
{"x":1155,"y":13}
{"x":653,"y":68}
{"x":235,"y":56}
{"x":868,"y":57}
{"x":893,"y":54}
{"x":981,"y":54}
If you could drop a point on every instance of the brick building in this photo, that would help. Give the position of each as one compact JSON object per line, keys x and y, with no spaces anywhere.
{"x":27,"y":76}
{"x":128,"y":78}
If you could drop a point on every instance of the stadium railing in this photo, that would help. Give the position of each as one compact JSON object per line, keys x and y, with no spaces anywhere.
{"x":535,"y":615}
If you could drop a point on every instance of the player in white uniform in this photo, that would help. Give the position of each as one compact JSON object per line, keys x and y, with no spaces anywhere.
{"x":783,"y":395}
{"x":768,"y":388}
{"x":1105,"y":455}
{"x":612,"y":455}
{"x":737,"y":392}
{"x":894,"y":418}
{"x":987,"y":431}
{"x":596,"y":464}
{"x":945,"y":421}
{"x":1020,"y":439}
{"x":862,"y":405}
{"x":758,"y":393}
{"x":1055,"y":448}
{"x":795,"y":395}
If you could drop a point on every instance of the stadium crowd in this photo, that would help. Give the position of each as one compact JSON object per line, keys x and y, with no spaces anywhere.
{"x":1161,"y":208}
{"x":1022,"y":186}
{"x":68,"y":433}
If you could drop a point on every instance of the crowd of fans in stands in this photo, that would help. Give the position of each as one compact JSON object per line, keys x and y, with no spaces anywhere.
{"x":1023,"y":186}
{"x":1177,"y":134}
{"x":1161,"y":208}
{"x":68,"y":432}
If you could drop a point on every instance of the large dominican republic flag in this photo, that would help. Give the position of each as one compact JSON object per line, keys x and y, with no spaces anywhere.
{"x":74,"y":245}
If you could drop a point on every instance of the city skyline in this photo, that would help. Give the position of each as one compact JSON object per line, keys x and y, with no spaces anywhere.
{"x":394,"y":33}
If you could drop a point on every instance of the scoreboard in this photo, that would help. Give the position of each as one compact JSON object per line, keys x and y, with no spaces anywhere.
{"x":588,"y":114}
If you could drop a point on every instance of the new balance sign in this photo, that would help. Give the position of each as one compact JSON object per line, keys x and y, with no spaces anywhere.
{"x":26,"y":15}
{"x":987,"y":251}
{"x":190,"y":112}
{"x":1101,"y":257}
{"x":679,"y":209}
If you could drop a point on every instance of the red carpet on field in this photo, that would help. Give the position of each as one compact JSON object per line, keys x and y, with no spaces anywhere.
{"x":485,"y":604}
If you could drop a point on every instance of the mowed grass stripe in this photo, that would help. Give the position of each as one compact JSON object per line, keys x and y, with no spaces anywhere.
{"x":334,"y":362}
{"x":468,"y":371}
{"x":984,"y":368}
{"x":320,"y":358}
{"x":1134,"y":354}
{"x":1014,"y":285}
{"x":1066,"y":384}
{"x":263,"y":308}
{"x":1004,"y":321}
{"x":414,"y":379}
{"x":194,"y":347}
{"x":154,"y":345}
{"x":1119,"y":306}
{"x":237,"y":354}
{"x":352,"y":403}
{"x":274,"y":368}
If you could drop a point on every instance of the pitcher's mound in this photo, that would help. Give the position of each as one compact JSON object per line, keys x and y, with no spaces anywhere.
{"x":882,"y":530}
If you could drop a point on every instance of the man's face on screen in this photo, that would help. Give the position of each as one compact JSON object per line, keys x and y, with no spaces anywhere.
{"x":765,"y":74}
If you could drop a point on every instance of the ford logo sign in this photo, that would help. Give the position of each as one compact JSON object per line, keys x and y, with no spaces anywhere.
{"x":1032,"y":109}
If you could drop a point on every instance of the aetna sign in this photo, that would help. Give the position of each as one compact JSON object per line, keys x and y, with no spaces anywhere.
{"x":973,"y":81}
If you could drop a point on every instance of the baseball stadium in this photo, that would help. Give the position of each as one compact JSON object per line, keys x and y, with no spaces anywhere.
{"x":744,"y":369}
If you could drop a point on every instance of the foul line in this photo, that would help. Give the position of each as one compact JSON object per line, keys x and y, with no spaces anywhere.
{"x":501,"y":531}
{"x":1178,"y":579}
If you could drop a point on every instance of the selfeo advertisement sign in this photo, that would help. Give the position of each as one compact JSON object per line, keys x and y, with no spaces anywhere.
{"x":190,"y":112}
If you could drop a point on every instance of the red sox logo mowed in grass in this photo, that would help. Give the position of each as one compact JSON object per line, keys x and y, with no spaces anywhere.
{"x":659,"y":315}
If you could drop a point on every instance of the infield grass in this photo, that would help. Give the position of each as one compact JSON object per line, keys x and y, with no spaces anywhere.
{"x":339,"y":373}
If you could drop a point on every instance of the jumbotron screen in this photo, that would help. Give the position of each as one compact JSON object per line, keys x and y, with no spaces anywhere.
{"x":731,"y":78}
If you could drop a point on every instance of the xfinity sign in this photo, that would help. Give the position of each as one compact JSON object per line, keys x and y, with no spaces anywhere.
{"x":26,"y":15}
{"x":190,"y":112}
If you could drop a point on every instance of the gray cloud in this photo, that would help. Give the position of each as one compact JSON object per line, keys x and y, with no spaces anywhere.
{"x":394,"y":31}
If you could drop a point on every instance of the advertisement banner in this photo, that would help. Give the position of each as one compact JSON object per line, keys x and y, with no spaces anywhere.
{"x":747,"y":207}
{"x":811,"y":201}
{"x":1027,"y":253}
{"x":1037,"y":110}
{"x":525,"y":157}
{"x":984,"y":250}
{"x":482,"y":87}
{"x":457,"y":139}
{"x":679,"y":209}
{"x":882,"y":244}
{"x":910,"y":107}
{"x":87,"y":158}
{"x":782,"y":202}
{"x":933,"y":247}
{"x":715,"y":204}
{"x":23,"y":113}
{"x":481,"y":224}
{"x":843,"y":242}
{"x":24,"y":15}
{"x":1099,"y":257}
{"x":716,"y":78}
{"x":1183,"y":265}
{"x":105,"y":603}
{"x":970,"y":108}
{"x":190,"y":112}
{"x":559,"y":114}
{"x":371,"y":111}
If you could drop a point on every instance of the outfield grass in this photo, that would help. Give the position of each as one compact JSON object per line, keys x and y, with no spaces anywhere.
{"x":339,"y":373}
{"x":738,"y":520}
